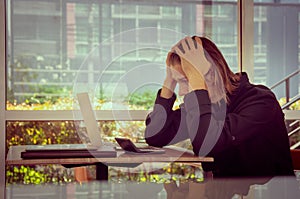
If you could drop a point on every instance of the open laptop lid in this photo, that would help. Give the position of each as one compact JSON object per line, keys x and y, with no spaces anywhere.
{"x":89,"y":119}
{"x":95,"y":148}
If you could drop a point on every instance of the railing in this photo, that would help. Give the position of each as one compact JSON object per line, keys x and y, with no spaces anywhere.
{"x":286,"y":80}
{"x":293,"y":127}
{"x":290,"y":102}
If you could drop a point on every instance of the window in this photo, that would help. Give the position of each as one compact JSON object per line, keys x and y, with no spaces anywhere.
{"x":58,"y":47}
{"x":276,"y":43}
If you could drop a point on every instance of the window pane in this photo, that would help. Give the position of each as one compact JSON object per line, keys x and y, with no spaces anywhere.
{"x":68,"y":132}
{"x":276,"y":44}
{"x":114,"y":50}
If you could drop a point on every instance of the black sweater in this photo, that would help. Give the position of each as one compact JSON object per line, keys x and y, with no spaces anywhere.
{"x":246,"y":137}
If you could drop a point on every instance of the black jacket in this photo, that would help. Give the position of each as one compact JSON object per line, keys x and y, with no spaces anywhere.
{"x":246,"y":137}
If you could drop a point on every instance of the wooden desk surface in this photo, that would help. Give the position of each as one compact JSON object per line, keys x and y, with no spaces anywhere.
{"x":172,"y":155}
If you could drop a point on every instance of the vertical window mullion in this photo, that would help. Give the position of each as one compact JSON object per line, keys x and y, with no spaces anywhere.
{"x":245,"y":37}
{"x":2,"y":98}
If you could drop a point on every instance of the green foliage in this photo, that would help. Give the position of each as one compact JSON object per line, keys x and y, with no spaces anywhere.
{"x":40,"y":132}
{"x":38,"y":174}
{"x":44,"y":94}
{"x":171,"y":172}
{"x":145,"y":99}
{"x":28,"y":69}
{"x":294,"y":106}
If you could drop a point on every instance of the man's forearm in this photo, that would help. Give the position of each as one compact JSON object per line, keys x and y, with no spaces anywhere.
{"x":198,"y":108}
{"x":168,"y":89}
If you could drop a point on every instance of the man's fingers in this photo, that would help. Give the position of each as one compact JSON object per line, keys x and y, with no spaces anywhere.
{"x":179,"y":46}
{"x":177,"y":50}
{"x":190,"y":42}
{"x":168,"y":58}
{"x":185,"y":44}
{"x":199,"y":42}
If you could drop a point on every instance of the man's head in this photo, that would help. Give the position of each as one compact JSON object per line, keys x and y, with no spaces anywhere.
{"x":213,"y":55}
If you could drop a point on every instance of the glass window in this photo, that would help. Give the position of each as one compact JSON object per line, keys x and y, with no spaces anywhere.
{"x":276,"y":44}
{"x":114,"y":50}
{"x":149,"y":10}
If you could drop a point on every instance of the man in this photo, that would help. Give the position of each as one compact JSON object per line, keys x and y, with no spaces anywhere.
{"x":226,"y":117}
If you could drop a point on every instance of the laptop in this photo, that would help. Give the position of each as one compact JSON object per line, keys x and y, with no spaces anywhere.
{"x":96,"y":147}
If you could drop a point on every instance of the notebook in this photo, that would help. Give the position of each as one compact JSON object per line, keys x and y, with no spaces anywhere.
{"x":128,"y":146}
{"x":96,"y":147}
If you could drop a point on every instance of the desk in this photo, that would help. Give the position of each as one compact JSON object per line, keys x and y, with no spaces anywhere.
{"x":173,"y":154}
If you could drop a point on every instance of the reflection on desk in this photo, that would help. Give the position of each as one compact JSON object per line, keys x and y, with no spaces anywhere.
{"x":265,"y":188}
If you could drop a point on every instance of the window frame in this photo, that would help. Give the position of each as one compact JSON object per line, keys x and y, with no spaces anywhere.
{"x":2,"y":96}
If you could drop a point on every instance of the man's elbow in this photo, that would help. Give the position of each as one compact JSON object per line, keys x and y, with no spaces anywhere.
{"x":152,"y":141}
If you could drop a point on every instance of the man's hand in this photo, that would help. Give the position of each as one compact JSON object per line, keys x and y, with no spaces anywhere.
{"x":193,"y":53}
{"x":193,"y":61}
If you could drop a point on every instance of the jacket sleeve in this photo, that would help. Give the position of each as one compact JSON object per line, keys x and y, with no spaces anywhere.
{"x":165,"y":126}
{"x":204,"y":121}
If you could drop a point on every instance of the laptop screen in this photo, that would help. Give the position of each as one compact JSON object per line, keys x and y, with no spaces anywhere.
{"x":89,"y":119}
